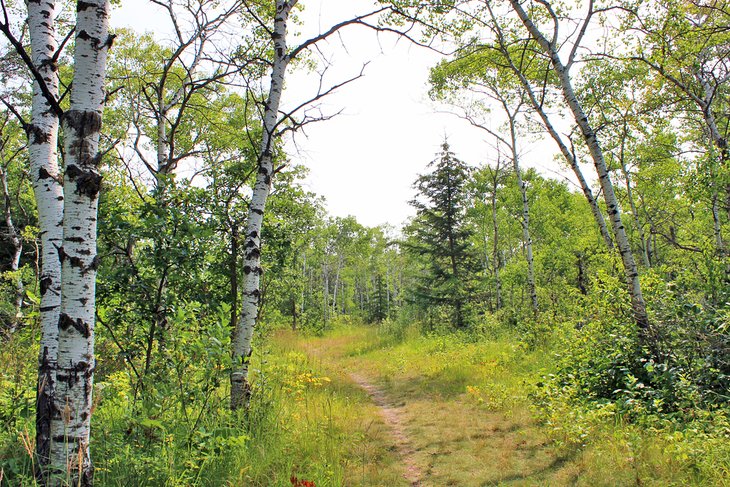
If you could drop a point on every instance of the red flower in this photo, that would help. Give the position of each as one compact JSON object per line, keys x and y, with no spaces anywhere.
{"x":301,"y":483}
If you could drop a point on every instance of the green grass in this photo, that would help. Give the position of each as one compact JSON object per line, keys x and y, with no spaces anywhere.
{"x":468,"y":405}
{"x":471,"y":409}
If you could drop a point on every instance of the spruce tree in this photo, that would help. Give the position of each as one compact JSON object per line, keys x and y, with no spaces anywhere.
{"x":441,"y":236}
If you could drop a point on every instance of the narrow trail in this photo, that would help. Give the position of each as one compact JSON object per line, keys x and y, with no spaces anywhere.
{"x":392,"y":417}
{"x":438,"y":432}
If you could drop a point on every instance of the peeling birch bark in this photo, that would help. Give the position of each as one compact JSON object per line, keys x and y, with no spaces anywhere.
{"x":70,"y":424}
{"x":48,"y":190}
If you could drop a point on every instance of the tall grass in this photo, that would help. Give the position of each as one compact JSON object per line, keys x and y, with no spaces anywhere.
{"x":302,"y":423}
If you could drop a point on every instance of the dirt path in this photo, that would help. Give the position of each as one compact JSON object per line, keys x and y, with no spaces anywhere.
{"x":392,"y":417}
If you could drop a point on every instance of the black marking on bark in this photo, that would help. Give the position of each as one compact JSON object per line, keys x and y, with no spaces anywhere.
{"x":43,"y":174}
{"x":45,"y":284}
{"x":253,"y":253}
{"x":65,"y":439}
{"x":94,"y":263}
{"x":75,"y":261}
{"x":65,"y":322}
{"x":61,"y":254}
{"x":81,"y":5}
{"x":110,"y":41}
{"x":75,"y":239}
{"x":257,"y":211}
{"x":84,"y":36}
{"x":37,"y":135}
{"x":83,"y":122}
{"x":247,"y":270}
{"x":85,"y":367}
{"x":88,"y":183}
{"x":45,"y":309}
{"x":49,"y":62}
{"x":44,"y":413}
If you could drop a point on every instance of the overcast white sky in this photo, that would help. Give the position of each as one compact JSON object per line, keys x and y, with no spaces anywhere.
{"x":365,"y":160}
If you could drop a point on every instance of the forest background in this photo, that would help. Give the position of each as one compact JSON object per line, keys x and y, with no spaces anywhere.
{"x":621,"y":282}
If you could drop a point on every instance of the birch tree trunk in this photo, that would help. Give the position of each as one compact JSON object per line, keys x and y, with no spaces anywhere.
{"x":632,"y":201}
{"x":81,"y":124}
{"x":589,"y":136}
{"x":525,"y":215}
{"x":45,"y":174}
{"x":17,"y":245}
{"x":495,"y":239}
{"x":243,"y":334}
{"x":538,"y":107}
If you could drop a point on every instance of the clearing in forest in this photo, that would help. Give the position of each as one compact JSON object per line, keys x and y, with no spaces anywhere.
{"x":442,"y":430}
{"x":451,"y":409}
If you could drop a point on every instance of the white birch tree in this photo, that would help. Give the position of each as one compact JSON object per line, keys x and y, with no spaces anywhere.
{"x":42,"y":131}
{"x":561,"y":70}
{"x":272,"y":121}
{"x":8,"y":155}
{"x":70,"y":423}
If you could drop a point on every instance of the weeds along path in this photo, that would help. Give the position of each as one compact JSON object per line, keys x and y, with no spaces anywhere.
{"x":453,"y":411}
{"x":392,"y":417}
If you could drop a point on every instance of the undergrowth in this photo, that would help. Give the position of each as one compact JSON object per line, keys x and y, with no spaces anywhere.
{"x":303,"y":427}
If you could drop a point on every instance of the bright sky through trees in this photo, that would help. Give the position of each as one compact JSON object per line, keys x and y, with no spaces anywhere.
{"x":387,"y":123}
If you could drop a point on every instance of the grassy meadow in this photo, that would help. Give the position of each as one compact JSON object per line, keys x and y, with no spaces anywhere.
{"x":474,"y":411}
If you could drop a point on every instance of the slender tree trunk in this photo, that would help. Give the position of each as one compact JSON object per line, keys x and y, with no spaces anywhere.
{"x":718,"y":139}
{"x":325,"y":293}
{"x":532,"y":289}
{"x":337,"y":285}
{"x":48,"y":190}
{"x":81,"y":123}
{"x":582,"y":279}
{"x":17,"y":245}
{"x":240,"y":387}
{"x":632,"y":202}
{"x":573,"y":163}
{"x":233,"y":271}
{"x":387,"y":289}
{"x":591,"y":141}
{"x":538,"y":107}
{"x":304,"y":278}
{"x":715,"y":204}
{"x":495,"y":239}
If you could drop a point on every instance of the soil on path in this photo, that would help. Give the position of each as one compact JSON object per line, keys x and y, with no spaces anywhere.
{"x":392,"y":417}
{"x":439,"y":434}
